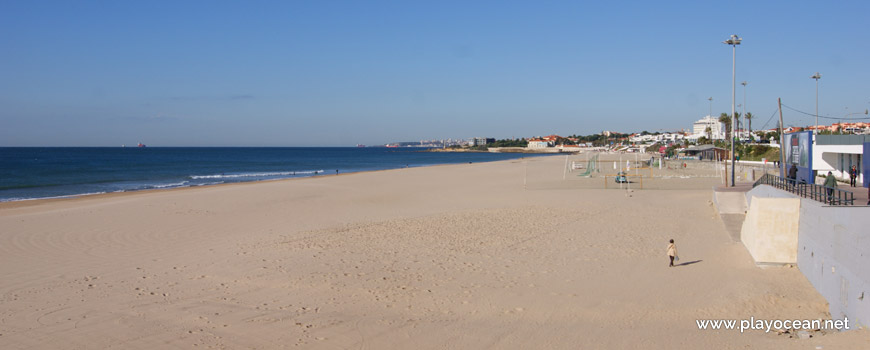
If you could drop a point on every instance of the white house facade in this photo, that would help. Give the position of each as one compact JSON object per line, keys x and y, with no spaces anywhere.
{"x":717,"y":129}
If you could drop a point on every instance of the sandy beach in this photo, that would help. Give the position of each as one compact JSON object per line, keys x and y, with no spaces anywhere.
{"x":506,"y":255}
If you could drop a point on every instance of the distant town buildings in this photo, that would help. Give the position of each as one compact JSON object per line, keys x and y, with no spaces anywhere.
{"x":708,"y":127}
{"x":846,"y":128}
{"x":668,"y":137}
{"x":480,"y":141}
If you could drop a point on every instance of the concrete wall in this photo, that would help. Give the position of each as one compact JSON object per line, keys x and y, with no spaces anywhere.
{"x":833,"y":252}
{"x":770,"y":230}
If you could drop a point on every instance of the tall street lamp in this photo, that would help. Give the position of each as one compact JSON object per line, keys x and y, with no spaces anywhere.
{"x":743,"y":111}
{"x":816,"y":76}
{"x":734,"y":41}
{"x":710,"y":116}
{"x":711,"y":106}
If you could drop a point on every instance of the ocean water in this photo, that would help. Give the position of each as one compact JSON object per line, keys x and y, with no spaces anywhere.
{"x":34,"y":173}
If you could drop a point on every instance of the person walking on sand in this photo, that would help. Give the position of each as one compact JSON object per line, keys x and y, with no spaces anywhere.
{"x":672,"y":253}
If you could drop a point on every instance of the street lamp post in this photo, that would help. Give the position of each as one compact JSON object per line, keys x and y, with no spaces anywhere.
{"x":711,"y":106}
{"x":733,"y":41}
{"x":743,"y":111}
{"x":711,"y":114}
{"x":816,"y":76}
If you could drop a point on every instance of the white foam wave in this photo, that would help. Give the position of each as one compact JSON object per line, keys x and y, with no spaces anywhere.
{"x":177,"y":184}
{"x":270,"y":174}
{"x":16,"y":199}
{"x":209,"y":183}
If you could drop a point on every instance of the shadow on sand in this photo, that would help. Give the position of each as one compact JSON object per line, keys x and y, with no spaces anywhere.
{"x":689,"y":263}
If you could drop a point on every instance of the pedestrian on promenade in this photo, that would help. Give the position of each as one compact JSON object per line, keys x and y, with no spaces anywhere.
{"x":853,"y":174}
{"x":672,"y":253}
{"x":792,"y":174}
{"x":830,"y":184}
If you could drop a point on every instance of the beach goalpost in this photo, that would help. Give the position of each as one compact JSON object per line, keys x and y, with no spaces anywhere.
{"x":641,"y":171}
{"x":633,"y":181}
{"x":589,"y":165}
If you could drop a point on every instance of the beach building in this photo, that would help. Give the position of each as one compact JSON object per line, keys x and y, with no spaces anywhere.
{"x":837,"y":154}
{"x":706,"y":152}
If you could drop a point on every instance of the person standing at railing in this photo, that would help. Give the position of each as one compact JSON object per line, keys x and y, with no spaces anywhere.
{"x":830,"y":184}
{"x":792,"y":174}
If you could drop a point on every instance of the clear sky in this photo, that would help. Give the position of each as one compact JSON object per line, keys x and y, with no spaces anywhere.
{"x":338,"y":73}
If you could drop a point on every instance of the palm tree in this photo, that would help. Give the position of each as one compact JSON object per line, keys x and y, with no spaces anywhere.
{"x":749,"y":117}
{"x":708,"y":130}
{"x":723,"y":118}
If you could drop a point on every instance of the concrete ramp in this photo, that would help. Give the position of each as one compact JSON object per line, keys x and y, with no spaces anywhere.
{"x":731,"y":204}
{"x":731,"y":199}
{"x":770,"y":230}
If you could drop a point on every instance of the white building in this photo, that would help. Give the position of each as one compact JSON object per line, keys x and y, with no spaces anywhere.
{"x":717,"y":129}
{"x":837,"y":154}
{"x":538,"y":144}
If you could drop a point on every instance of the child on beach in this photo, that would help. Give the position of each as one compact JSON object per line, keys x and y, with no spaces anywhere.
{"x":672,"y":252}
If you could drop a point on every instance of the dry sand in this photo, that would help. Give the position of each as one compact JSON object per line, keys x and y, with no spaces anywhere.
{"x":505,"y":255}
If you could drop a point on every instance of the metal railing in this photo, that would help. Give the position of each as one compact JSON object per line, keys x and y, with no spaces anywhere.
{"x":831,"y":196}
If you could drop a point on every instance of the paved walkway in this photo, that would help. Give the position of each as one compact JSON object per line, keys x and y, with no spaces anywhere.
{"x":860,"y":193}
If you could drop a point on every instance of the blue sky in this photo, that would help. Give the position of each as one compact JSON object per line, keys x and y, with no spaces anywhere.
{"x":338,"y":73}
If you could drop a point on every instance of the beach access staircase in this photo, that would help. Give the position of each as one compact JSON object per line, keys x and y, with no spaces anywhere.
{"x":806,"y":190}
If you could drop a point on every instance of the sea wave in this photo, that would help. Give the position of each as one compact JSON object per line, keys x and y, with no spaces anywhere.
{"x":16,"y":199}
{"x":244,"y":175}
{"x":172,"y":185}
{"x":209,"y":183}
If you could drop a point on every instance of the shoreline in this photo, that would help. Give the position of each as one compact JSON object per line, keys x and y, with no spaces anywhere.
{"x":76,"y":197}
{"x":37,"y":201}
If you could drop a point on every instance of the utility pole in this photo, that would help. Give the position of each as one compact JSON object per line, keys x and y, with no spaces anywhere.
{"x":781,"y":140}
{"x":816,"y":76}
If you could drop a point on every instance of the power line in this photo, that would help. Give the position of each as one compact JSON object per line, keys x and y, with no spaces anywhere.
{"x":821,"y":116}
{"x":768,"y":119}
